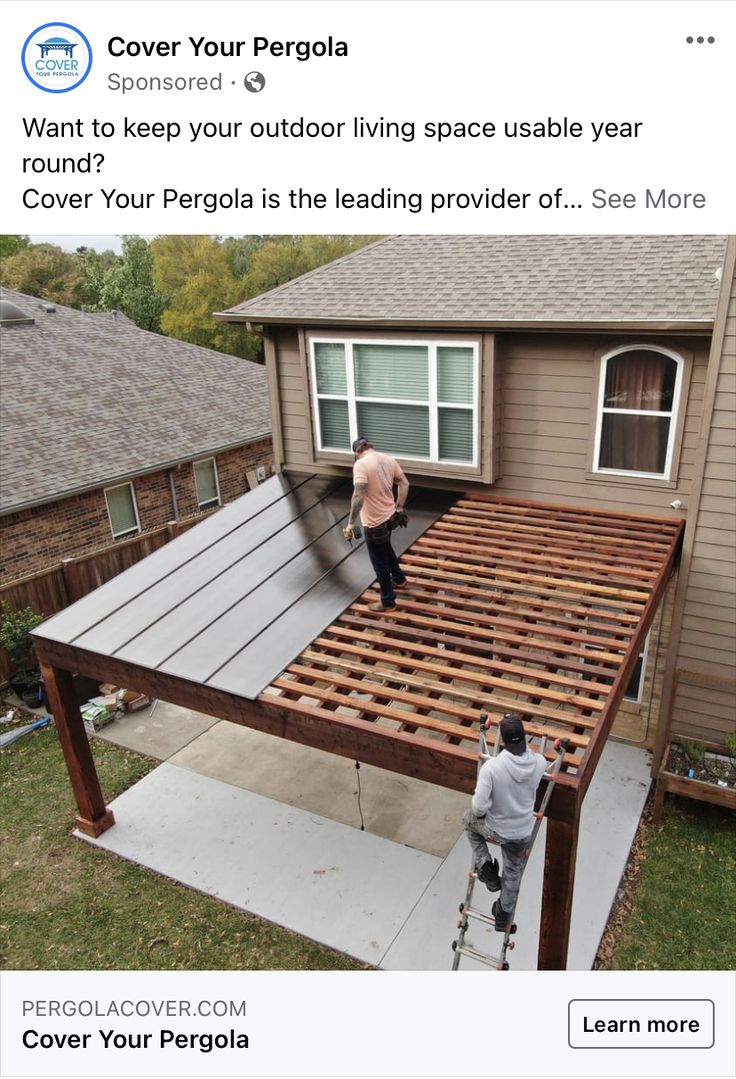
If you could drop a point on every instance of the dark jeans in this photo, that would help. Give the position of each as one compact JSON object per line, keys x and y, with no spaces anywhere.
{"x":387,"y":569}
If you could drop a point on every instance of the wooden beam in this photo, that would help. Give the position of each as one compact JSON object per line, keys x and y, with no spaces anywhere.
{"x":557,"y":891}
{"x":347,"y":736}
{"x":94,"y":817}
{"x":623,"y":677}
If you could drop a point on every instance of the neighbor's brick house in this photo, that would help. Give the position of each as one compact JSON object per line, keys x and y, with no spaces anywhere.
{"x":108,"y":431}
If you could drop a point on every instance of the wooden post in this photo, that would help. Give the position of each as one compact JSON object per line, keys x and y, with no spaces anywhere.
{"x":557,"y":889}
{"x":94,"y":816}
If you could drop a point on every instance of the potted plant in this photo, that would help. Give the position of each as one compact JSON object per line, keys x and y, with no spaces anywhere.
{"x":15,"y":637}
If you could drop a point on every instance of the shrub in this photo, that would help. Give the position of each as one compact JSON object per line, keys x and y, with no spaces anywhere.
{"x":15,"y":635}
{"x":693,"y":750}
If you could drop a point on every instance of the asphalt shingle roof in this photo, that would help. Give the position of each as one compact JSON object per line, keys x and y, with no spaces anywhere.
{"x":89,"y":398}
{"x":505,"y":279}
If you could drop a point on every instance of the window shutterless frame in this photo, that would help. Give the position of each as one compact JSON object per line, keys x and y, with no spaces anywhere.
{"x":672,"y":415}
{"x":431,"y":402}
{"x":216,"y":500}
{"x":133,"y":530}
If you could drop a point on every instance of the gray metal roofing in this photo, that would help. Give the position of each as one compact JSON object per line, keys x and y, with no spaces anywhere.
{"x":505,"y":279}
{"x":90,"y":398}
{"x":230,"y":602}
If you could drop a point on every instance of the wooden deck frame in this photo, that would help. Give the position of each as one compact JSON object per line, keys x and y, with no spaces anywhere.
{"x":489,"y":626}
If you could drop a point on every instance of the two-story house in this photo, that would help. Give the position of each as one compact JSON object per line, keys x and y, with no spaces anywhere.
{"x":564,"y":409}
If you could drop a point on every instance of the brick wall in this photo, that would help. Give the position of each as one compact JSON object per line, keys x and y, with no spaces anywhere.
{"x":34,"y":539}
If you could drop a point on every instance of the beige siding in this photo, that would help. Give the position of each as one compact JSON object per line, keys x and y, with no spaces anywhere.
{"x":549,"y":394}
{"x":704,"y":697}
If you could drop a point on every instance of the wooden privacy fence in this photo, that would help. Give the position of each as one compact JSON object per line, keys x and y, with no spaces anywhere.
{"x":53,"y":589}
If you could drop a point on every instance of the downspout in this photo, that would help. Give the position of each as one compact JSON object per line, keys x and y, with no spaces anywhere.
{"x":172,"y":488}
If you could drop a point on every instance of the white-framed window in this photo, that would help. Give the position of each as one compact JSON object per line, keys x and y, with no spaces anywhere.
{"x":417,"y":400}
{"x":638,"y":400}
{"x":635,"y":688}
{"x":122,"y":510}
{"x":207,"y":482}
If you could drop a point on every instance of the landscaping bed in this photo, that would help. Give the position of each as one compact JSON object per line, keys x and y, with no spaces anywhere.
{"x":695,"y":770}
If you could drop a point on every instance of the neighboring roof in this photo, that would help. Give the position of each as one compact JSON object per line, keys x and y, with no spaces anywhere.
{"x":88,"y":399}
{"x":504,"y":280}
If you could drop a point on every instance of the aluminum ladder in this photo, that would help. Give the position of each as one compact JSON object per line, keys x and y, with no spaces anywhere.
{"x":470,"y":913}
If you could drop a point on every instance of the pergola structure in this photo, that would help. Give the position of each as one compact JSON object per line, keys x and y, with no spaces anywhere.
{"x":513,"y":606}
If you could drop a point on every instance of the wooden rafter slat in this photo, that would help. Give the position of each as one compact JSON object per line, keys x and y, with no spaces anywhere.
{"x":486,"y":625}
{"x":473,"y":598}
{"x":413,"y":639}
{"x":380,"y":711}
{"x":492,"y":665}
{"x":578,"y":699}
{"x":579,"y":582}
{"x":454,"y":538}
{"x":481,"y":680}
{"x":521,"y":582}
{"x":539,"y":542}
{"x":605,"y":534}
{"x":450,"y":689}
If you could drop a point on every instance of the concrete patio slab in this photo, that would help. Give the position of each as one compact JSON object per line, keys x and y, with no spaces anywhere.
{"x":378,"y":900}
{"x":345,"y":888}
{"x":158,"y":730}
{"x":396,"y":807}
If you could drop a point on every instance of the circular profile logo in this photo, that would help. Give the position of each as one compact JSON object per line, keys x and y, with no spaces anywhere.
{"x":56,"y":57}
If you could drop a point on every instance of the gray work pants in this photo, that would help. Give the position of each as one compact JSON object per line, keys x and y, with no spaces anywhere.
{"x":512,"y":850}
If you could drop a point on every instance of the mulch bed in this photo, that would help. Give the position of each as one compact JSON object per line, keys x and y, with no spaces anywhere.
{"x":709,"y":768}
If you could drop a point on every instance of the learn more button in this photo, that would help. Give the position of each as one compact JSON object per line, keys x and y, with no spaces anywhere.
{"x":641,"y":1024}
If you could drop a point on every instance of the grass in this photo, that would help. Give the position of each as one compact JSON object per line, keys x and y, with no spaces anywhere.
{"x":677,"y":913}
{"x":70,"y":906}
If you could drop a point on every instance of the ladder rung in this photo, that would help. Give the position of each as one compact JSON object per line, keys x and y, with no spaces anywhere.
{"x":481,"y":957}
{"x":479,"y":916}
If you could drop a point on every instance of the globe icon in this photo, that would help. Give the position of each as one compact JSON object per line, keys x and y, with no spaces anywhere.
{"x":254,"y":81}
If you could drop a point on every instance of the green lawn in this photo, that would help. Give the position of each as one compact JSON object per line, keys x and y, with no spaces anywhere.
{"x":681,"y":914}
{"x":69,"y":906}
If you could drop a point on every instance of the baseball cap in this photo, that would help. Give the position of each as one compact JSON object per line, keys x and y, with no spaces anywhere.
{"x":359,"y":444}
{"x":512,"y":733}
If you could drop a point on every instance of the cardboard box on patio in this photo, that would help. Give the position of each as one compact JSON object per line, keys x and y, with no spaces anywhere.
{"x":133,"y":700}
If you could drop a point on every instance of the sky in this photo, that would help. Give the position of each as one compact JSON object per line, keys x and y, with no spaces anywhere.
{"x":71,"y":243}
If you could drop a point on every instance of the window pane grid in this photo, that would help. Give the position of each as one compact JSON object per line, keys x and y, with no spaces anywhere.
{"x":121,"y":510}
{"x":390,"y":396}
{"x":206,"y":481}
{"x":637,"y":406}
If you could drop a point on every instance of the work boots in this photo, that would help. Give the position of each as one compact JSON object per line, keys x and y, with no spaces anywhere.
{"x":488,"y":874}
{"x":502,"y":918}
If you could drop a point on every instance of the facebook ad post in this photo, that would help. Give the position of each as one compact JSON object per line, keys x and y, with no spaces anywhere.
{"x":368,"y":516}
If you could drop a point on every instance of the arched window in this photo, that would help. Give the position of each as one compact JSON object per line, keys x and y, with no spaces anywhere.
{"x":639,"y":393}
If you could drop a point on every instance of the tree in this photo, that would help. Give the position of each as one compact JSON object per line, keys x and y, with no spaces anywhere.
{"x":194,"y":271}
{"x":44,"y":270}
{"x":130,"y":286}
{"x":94,"y":266}
{"x":10,"y":244}
{"x":239,"y":251}
{"x":279,"y":261}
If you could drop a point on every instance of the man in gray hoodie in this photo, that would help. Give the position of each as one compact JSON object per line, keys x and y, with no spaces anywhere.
{"x":503,"y":813}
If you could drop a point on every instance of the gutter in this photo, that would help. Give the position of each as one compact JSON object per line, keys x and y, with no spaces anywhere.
{"x":533,"y":325}
{"x":126,"y":477}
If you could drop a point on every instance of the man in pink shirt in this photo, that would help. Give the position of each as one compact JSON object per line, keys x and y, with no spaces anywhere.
{"x":374,"y":477}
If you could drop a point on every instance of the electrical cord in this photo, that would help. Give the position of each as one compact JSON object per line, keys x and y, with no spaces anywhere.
{"x":360,"y":808}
